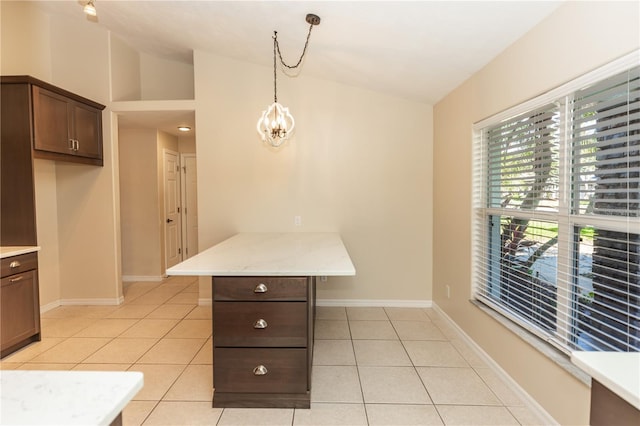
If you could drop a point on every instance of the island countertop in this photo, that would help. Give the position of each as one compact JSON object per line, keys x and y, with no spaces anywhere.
{"x":65,"y":397}
{"x":271,"y":254}
{"x":618,"y":371}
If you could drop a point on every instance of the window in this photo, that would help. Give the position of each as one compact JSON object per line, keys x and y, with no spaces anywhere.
{"x":557,"y":212}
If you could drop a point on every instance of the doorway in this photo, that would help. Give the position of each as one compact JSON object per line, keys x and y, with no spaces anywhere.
{"x":172,"y":206}
{"x":157,"y":214}
{"x":189,"y":192}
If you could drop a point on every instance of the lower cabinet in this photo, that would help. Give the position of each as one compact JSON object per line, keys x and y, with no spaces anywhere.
{"x":263,"y":341}
{"x":20,"y":314}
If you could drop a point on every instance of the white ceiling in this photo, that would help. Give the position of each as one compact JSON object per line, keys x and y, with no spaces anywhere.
{"x":419,"y":50}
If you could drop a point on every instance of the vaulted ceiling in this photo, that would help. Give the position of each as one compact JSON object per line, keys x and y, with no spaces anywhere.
{"x":420,"y":50}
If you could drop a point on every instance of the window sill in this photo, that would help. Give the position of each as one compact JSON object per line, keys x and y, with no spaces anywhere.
{"x":558,"y":357}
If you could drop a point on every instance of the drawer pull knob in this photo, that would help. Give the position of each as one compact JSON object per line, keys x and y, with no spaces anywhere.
{"x":14,"y":264}
{"x":260,"y":324}
{"x":260,"y":288}
{"x":16,"y":279}
{"x":260,"y":370}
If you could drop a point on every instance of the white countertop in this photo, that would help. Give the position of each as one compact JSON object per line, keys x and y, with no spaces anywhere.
{"x":271,"y":254}
{"x":65,"y":397}
{"x":8,"y":251}
{"x":618,"y":371}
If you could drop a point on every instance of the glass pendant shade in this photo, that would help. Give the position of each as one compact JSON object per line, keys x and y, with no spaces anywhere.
{"x":276,"y":125}
{"x":90,"y":9}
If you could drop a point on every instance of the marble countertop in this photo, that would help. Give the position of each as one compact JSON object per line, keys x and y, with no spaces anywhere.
{"x":618,"y":371}
{"x":271,"y":254}
{"x":8,"y":251}
{"x":65,"y":397}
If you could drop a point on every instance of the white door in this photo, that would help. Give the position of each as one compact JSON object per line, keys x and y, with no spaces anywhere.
{"x":189,"y":206}
{"x":172,"y":229}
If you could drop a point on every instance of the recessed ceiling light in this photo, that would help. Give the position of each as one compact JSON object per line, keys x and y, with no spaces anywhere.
{"x":184,"y":128}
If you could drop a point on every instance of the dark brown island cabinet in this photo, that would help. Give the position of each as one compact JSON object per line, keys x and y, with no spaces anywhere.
{"x":37,"y":120}
{"x":263,"y":341}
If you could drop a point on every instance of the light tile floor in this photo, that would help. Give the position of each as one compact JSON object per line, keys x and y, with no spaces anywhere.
{"x":372,"y":366}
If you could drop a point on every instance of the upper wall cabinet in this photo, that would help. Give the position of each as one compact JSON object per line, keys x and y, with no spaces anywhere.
{"x":65,"y":126}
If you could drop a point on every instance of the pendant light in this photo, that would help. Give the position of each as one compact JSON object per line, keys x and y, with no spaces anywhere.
{"x":90,"y":8}
{"x":276,"y":124}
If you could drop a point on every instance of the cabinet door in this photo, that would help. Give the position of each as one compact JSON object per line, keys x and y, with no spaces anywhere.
{"x":52,"y":122}
{"x":19,"y":316}
{"x":88,"y":130}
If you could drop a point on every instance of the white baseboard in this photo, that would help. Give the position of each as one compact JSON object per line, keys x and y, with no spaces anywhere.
{"x":512,"y":384}
{"x":375,"y":303}
{"x":93,"y":302}
{"x":49,"y":306}
{"x":77,"y":302}
{"x":130,"y":278}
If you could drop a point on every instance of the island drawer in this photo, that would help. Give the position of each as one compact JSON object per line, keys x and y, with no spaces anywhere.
{"x":19,"y":264}
{"x":260,"y":288}
{"x":260,"y":370}
{"x":260,"y":324}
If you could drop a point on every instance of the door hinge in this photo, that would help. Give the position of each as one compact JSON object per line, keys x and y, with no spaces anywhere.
{"x":177,"y":168}
{"x":178,"y":209}
{"x":179,"y":251}
{"x":184,"y":169}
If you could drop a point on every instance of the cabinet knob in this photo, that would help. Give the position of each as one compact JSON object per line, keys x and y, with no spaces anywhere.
{"x":260,"y":324}
{"x":260,"y":288}
{"x":14,"y":264}
{"x":260,"y":370}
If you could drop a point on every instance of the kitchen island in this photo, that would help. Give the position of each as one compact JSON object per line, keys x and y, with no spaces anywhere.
{"x":263,"y":301}
{"x":615,"y":386}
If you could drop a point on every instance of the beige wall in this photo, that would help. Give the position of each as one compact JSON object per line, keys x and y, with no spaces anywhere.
{"x":359,"y":164}
{"x":187,"y":144}
{"x":577,"y":38}
{"x":142,"y":201}
{"x":46,"y":194}
{"x":125,"y":71}
{"x":139,"y":204}
{"x":165,"y":79}
{"x":76,"y":205}
{"x":87,"y":195}
{"x":24,"y":40}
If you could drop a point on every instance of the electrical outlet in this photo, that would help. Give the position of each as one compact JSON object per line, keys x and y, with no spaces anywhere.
{"x":448,"y":292}
{"x":297,"y":221}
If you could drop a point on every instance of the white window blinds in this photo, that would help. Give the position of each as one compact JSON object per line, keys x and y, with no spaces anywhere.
{"x":557,"y":219}
{"x":606,"y":146}
{"x":523,"y":161}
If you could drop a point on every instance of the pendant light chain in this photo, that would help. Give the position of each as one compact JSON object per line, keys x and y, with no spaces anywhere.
{"x":275,"y":78}
{"x":304,"y":50}
{"x":276,"y":48}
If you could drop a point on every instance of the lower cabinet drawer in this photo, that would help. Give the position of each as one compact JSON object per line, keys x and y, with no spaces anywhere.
{"x":260,"y":324}
{"x":260,"y":370}
{"x":18,"y":264}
